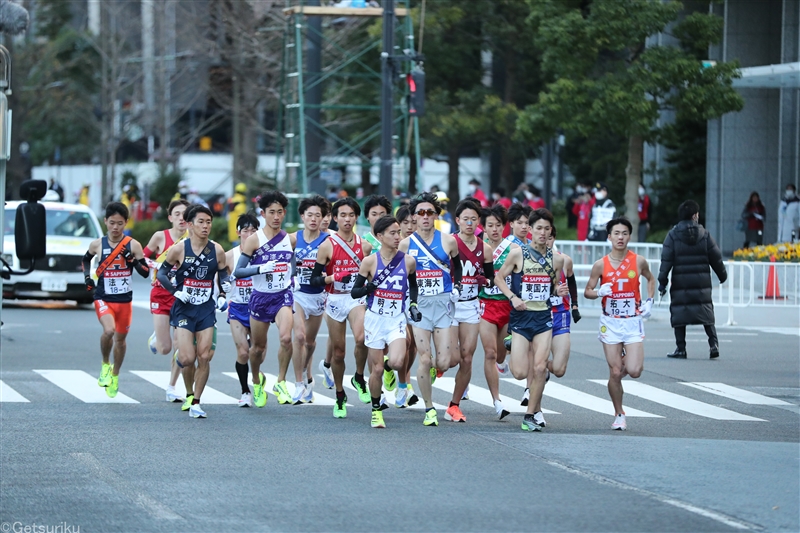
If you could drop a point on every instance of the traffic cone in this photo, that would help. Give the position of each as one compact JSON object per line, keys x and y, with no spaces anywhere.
{"x":773,"y":291}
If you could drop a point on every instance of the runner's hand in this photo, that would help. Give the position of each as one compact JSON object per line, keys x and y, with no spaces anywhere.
{"x":646,"y":307}
{"x":182,"y":296}
{"x":414,"y":313}
{"x":90,"y":286}
{"x":562,"y":289}
{"x":267,"y":267}
{"x":127,"y":255}
{"x":455,"y":294}
{"x":371,"y":287}
{"x":520,"y":305}
{"x":152,"y":265}
{"x":604,"y":290}
{"x":227,"y":285}
{"x":342,"y":277}
{"x":222,"y":303}
{"x":576,"y":316}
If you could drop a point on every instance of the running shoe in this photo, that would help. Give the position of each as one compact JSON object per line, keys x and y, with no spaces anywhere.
{"x":434,"y":373}
{"x":384,"y":404}
{"x":173,"y":396}
{"x":195,"y":411}
{"x":363,"y":393}
{"x":503,"y":369}
{"x":400,"y":398}
{"x":538,"y":417}
{"x":465,"y":396}
{"x":282,"y":393}
{"x":529,"y":424}
{"x":412,"y":398}
{"x":525,"y":397}
{"x":299,"y":392}
{"x":454,"y":414}
{"x":151,"y":343}
{"x":308,"y":393}
{"x":439,"y":373}
{"x":187,"y":403}
{"x":340,"y":408}
{"x":389,"y":377}
{"x":113,"y":387}
{"x":619,"y":423}
{"x":246,"y":400}
{"x":259,"y":394}
{"x":377,"y":419}
{"x":327,"y":375}
{"x":507,"y":343}
{"x":430,"y":418}
{"x":500,"y":410}
{"x":105,"y":375}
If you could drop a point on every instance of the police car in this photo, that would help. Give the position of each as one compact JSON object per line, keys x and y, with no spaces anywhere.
{"x":59,"y":275}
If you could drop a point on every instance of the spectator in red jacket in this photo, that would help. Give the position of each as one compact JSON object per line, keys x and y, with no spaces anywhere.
{"x":582,"y":209}
{"x":499,"y":197}
{"x":644,"y":213}
{"x":476,"y":192}
{"x":754,"y":213}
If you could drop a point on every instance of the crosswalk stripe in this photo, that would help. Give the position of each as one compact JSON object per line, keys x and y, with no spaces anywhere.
{"x":83,"y":386}
{"x":740,"y":395}
{"x":579,"y":398}
{"x":271,"y":380}
{"x":7,"y":394}
{"x":160,"y":378}
{"x":681,"y":403}
{"x":484,"y":397}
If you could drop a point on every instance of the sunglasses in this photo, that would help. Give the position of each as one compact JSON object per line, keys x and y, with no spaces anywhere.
{"x":426,"y":212}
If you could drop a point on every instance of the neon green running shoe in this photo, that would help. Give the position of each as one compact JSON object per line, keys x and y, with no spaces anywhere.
{"x":433,"y":375}
{"x":389,"y":378}
{"x":340,"y":408}
{"x":377,"y":419}
{"x":187,"y":403}
{"x":363,"y":393}
{"x":282,"y":392}
{"x":113,"y":387}
{"x":430,"y":418}
{"x":105,"y":376}
{"x":259,"y":395}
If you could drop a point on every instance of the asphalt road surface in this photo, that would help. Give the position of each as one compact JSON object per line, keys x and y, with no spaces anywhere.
{"x":714,"y":448}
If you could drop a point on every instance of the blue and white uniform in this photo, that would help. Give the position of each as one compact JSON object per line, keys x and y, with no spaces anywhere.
{"x":385,"y":319}
{"x":196,"y":276}
{"x":311,"y":299}
{"x":239,"y":297}
{"x":433,"y":280}
{"x":273,"y":290}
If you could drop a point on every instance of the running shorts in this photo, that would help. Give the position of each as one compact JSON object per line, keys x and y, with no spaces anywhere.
{"x":121,"y":312}
{"x":495,"y":311}
{"x":561,"y":322}
{"x":338,"y":306}
{"x":161,"y":300}
{"x":193,"y":323}
{"x":380,"y":331}
{"x":621,"y":330}
{"x":311,"y":304}
{"x":264,"y":306}
{"x":437,"y":312}
{"x":530,"y":323}
{"x":240,"y":313}
{"x":467,"y":312}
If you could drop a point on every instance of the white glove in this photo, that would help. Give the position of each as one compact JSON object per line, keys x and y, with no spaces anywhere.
{"x":226,"y":286}
{"x":222,"y":303}
{"x":454,"y":295}
{"x":604,"y":290}
{"x":182,"y":296}
{"x":646,"y":307}
{"x":267,"y":267}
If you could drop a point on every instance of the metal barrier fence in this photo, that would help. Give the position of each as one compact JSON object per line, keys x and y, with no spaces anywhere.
{"x":587,"y":252}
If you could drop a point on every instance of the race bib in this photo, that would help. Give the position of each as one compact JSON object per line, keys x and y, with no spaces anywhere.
{"x":535,"y":288}
{"x":117,"y":281}
{"x":242,"y":289}
{"x":555,"y":301}
{"x":469,"y":288}
{"x":430,"y":282}
{"x":304,"y":271}
{"x":279,"y":279}
{"x":351,"y":269}
{"x":621,"y":307}
{"x":387,"y":303}
{"x":199,"y":290}
{"x":494,"y":290}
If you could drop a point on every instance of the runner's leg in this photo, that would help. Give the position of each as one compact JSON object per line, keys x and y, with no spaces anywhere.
{"x":284,"y":322}
{"x":336,"y":343}
{"x":488,"y":333}
{"x":560,"y":346}
{"x":422,"y":338}
{"x":258,"y":347}
{"x":204,"y":356}
{"x":616,"y":371}
{"x":467,"y":342}
{"x":540,"y":350}
{"x":299,"y":342}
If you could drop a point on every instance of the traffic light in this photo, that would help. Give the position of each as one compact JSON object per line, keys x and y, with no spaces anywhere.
{"x":416,"y":97}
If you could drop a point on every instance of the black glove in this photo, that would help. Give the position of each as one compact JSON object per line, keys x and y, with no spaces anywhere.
{"x":662,"y":290}
{"x":370,"y":287}
{"x":127,"y":255}
{"x":346,"y":279}
{"x":414,"y":313}
{"x":576,"y":316}
{"x":90,"y":286}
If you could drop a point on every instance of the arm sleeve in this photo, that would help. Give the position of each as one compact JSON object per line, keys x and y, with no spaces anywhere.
{"x":359,"y":290}
{"x":318,"y":275}
{"x":413,"y":289}
{"x":573,"y":290}
{"x":488,"y":270}
{"x":242,"y":270}
{"x":86,"y":262}
{"x":141,"y":267}
{"x":147,"y":252}
{"x":163,"y":277}
{"x":456,"y":261}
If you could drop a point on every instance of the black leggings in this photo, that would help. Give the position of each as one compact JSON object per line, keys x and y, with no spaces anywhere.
{"x":680,"y":336}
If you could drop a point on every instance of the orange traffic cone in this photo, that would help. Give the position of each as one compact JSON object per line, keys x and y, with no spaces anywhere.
{"x":773,"y":291}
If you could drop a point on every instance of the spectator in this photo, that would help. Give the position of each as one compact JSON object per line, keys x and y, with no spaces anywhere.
{"x":789,"y":215}
{"x":582,"y":209}
{"x":476,"y":192}
{"x":499,"y":197}
{"x":688,"y":252}
{"x":56,"y":186}
{"x":444,"y":222}
{"x":83,"y":195}
{"x":236,"y":206}
{"x":754,"y":214}
{"x":644,"y":213}
{"x":572,"y":217}
{"x":533,"y":196}
{"x":603,"y":210}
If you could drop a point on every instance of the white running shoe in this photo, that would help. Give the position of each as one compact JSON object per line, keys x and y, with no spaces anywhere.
{"x":151,"y":343}
{"x":308,"y":395}
{"x":538,"y":417}
{"x":384,"y":403}
{"x":503,"y":369}
{"x":400,"y":398}
{"x":465,"y":396}
{"x":173,"y":396}
{"x":299,"y":392}
{"x":246,"y":400}
{"x":195,"y":411}
{"x":525,"y":397}
{"x":327,"y":374}
{"x":619,"y":423}
{"x":500,"y":410}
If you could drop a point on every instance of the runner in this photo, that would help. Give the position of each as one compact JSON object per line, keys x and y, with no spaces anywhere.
{"x":194,"y":311}
{"x":341,"y":256}
{"x":405,"y":397}
{"x":266,"y":257}
{"x":161,"y":299}
{"x":621,"y":325}
{"x":113,"y":293}
{"x":533,"y":268}
{"x":238,"y":294}
{"x":375,"y":207}
{"x":325,"y":364}
{"x":476,"y":273}
{"x":391,"y":279}
{"x":562,"y":307}
{"x":438,"y":290}
{"x":495,"y":308}
{"x":309,"y":302}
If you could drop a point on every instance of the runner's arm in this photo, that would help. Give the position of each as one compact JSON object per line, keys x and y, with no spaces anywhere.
{"x":154,"y":245}
{"x":318,"y":277}
{"x":590,"y":293}
{"x":242,"y":269}
{"x":139,"y":262}
{"x":361,"y":287}
{"x":173,"y":257}
{"x":644,"y":268}
{"x":457,"y":270}
{"x":507,"y":269}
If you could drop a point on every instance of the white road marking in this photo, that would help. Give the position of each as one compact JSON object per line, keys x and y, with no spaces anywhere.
{"x":271,"y":379}
{"x":7,"y":394}
{"x":83,"y":386}
{"x":740,"y":395}
{"x":160,"y":378}
{"x":484,"y":397}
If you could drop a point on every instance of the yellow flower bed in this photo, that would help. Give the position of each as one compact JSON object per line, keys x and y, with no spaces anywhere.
{"x":783,"y":252}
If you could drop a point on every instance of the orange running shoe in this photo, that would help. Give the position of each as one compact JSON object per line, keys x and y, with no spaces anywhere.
{"x":454,"y":414}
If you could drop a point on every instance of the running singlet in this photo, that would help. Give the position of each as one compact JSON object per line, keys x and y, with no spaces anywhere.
{"x":279,"y":279}
{"x":196,"y":276}
{"x":114,"y":284}
{"x":306,"y":256}
{"x":532,"y":284}
{"x":471,"y":268}
{"x":499,"y":257}
{"x":389,"y":298}
{"x":560,"y":304}
{"x":625,"y":297}
{"x":168,"y":242}
{"x":376,"y":244}
{"x":431,"y":278}
{"x":242,"y":287}
{"x":342,"y":262}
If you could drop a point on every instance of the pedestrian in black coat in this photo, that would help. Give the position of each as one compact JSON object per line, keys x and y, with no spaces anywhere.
{"x":688,"y":252}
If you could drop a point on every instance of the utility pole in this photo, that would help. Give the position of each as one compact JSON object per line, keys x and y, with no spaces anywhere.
{"x":387,"y":97}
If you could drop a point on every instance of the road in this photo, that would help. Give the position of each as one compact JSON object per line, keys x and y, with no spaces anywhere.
{"x":715,"y":447}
